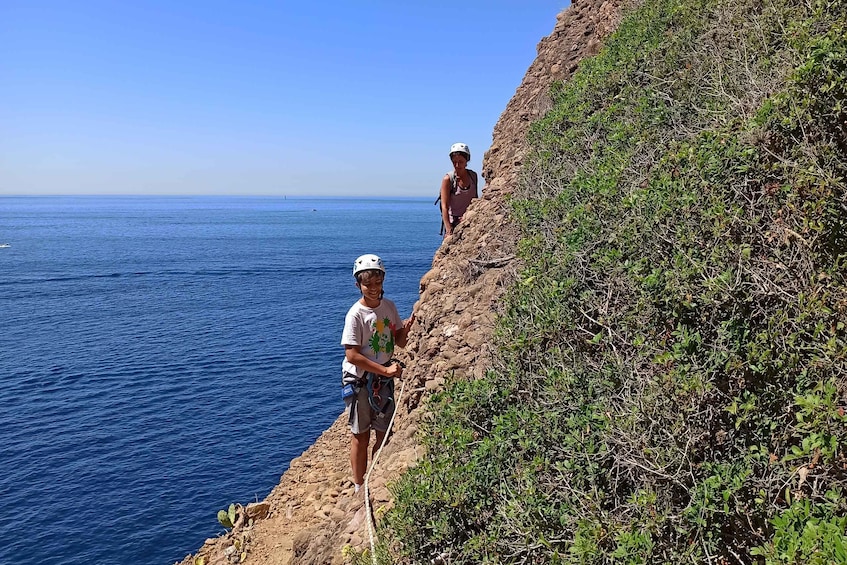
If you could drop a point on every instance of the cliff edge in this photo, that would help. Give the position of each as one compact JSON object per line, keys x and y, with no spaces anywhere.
{"x":312,"y":514}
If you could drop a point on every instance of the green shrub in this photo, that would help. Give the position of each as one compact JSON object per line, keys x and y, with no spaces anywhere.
{"x":672,"y":370}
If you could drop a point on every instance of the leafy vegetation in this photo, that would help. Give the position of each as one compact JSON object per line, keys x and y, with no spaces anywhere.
{"x":672,"y":374}
{"x":228,"y":517}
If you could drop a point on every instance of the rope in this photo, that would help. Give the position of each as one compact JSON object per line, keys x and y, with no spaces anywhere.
{"x":368,"y":511}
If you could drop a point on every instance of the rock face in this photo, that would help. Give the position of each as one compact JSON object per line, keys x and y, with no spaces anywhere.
{"x":578,"y":33}
{"x":313,"y":513}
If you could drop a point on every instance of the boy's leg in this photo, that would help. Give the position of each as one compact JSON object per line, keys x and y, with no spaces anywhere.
{"x":360,"y":426}
{"x":380,"y":436}
{"x":359,"y":456}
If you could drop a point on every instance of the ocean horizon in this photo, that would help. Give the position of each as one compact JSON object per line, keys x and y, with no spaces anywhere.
{"x":164,"y":356}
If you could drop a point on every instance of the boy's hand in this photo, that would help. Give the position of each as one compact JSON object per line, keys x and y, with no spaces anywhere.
{"x":394,"y":370}
{"x":407,"y":325}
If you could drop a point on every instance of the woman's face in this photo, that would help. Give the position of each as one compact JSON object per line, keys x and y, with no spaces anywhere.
{"x":459,"y":161}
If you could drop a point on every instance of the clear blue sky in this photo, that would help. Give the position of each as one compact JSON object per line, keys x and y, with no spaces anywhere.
{"x":258,"y":98}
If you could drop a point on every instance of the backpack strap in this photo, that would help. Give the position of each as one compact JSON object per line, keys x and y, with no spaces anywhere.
{"x":474,"y":180}
{"x":452,"y":175}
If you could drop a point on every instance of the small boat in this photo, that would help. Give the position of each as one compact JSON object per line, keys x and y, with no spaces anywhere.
{"x":2,"y":245}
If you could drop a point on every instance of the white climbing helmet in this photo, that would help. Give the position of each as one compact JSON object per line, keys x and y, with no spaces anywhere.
{"x":367,"y":263}
{"x":461,"y":148}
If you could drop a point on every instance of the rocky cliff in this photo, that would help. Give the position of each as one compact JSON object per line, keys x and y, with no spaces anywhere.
{"x":313,"y":514}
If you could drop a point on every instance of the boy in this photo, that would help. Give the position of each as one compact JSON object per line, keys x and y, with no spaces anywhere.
{"x":372,"y":329}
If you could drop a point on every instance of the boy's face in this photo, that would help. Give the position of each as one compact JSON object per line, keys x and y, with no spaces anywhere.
{"x":370,"y":283}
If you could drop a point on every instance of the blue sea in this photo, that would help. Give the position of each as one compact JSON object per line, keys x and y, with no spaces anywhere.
{"x":162,"y":357}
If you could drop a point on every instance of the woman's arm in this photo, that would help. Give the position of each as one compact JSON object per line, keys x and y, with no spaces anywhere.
{"x":445,"y":205}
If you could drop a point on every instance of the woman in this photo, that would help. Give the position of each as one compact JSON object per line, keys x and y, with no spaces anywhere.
{"x":458,"y":188}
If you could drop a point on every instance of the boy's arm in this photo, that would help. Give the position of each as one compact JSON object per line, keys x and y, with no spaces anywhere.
{"x":355,"y":357}
{"x":402,"y":334}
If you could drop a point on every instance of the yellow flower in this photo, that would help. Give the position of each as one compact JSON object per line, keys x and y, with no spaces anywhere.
{"x":379,"y":326}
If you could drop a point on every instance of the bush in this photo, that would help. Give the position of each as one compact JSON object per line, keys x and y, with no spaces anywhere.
{"x":672,"y":371}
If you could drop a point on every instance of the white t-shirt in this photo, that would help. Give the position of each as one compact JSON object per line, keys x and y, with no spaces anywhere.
{"x":373,"y":330}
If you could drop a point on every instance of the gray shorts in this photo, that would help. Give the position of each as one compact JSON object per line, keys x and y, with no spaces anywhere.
{"x":362,"y":417}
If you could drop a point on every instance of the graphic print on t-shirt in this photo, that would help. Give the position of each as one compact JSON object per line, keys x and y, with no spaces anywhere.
{"x":382,"y":341}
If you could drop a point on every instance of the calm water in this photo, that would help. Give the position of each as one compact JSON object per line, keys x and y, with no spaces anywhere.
{"x":163,"y":357}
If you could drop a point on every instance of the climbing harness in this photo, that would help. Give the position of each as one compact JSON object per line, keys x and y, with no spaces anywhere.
{"x":368,"y":509}
{"x":380,"y":393}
